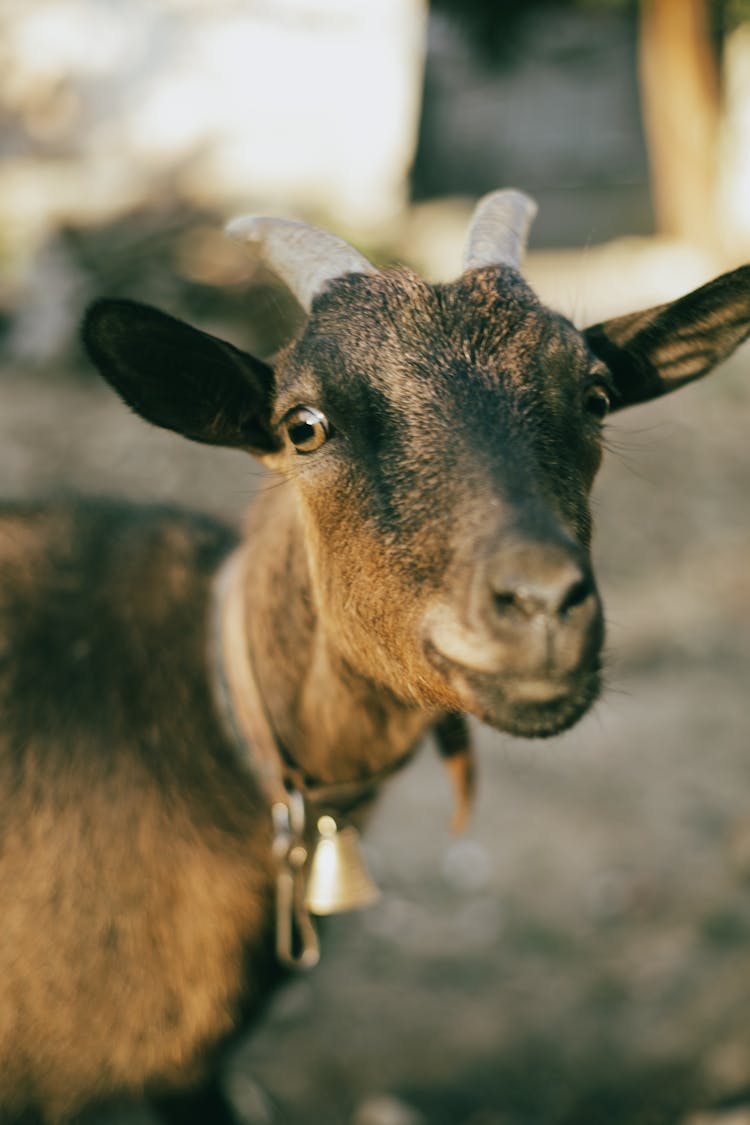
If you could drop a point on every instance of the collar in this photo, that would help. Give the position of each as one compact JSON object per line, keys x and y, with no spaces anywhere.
{"x":246,"y":717}
{"x":291,"y":794}
{"x":298,"y":838}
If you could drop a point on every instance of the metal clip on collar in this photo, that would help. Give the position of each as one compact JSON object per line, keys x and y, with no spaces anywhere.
{"x":296,"y":938}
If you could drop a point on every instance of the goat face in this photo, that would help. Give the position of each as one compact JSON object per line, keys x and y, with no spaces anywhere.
{"x":444,"y":479}
{"x":441,"y":442}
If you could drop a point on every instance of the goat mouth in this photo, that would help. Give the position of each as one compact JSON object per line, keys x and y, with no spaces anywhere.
{"x":534,"y":709}
{"x":529,"y":706}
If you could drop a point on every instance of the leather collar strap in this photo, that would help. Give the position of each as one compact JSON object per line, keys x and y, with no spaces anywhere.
{"x":245,"y":715}
{"x":287,"y":790}
{"x":236,"y":687}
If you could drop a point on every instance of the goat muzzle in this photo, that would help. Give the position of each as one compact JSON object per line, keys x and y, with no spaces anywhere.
{"x":524,"y":653}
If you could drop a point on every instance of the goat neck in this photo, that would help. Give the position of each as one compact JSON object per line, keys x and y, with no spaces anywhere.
{"x":332,"y":725}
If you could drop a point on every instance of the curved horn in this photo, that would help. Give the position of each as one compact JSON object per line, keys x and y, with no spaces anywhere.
{"x":499,"y":229}
{"x":301,"y":256}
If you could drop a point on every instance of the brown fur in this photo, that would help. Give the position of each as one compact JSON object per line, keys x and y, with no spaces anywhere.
{"x":134,"y":858}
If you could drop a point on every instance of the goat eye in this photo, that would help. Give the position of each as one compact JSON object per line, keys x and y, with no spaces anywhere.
{"x":306,"y":428}
{"x":598,"y":401}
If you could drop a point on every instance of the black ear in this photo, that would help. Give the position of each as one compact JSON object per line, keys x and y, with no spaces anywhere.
{"x":180,"y":378}
{"x":656,"y":351}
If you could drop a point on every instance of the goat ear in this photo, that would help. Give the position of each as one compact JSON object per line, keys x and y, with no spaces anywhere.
{"x":180,"y":378}
{"x":658,"y":350}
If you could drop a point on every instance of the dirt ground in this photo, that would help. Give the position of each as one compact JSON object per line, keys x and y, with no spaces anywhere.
{"x":583,"y":956}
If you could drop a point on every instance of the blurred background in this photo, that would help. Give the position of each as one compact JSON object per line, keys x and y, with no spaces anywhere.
{"x":583,"y":957}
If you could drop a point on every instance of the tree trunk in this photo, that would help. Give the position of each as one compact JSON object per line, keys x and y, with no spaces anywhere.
{"x":680,"y":100}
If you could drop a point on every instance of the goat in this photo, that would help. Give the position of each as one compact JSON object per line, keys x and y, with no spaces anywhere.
{"x":177,"y":700}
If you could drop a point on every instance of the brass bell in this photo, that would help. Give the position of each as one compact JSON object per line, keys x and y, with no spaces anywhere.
{"x":338,"y":879}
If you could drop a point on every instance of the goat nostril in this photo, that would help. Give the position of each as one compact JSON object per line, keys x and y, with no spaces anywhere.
{"x":553,"y":595}
{"x":523,"y":601}
{"x":576,"y":594}
{"x":506,"y":600}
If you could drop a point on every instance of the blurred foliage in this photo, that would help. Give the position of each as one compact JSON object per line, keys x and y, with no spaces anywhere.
{"x":735,"y":11}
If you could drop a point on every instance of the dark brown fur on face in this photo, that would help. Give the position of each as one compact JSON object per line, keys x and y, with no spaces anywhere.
{"x":460,"y":427}
{"x":430,"y":557}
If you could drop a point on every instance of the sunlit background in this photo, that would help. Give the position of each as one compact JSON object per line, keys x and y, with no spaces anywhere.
{"x":584,"y":957}
{"x":131,"y":130}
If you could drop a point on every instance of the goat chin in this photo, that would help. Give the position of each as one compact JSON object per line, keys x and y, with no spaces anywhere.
{"x":507,"y":709}
{"x":527,"y":706}
{"x":501,"y":709}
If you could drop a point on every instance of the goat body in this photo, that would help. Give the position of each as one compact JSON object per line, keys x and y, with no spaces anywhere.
{"x":428,"y":556}
{"x":135,"y":861}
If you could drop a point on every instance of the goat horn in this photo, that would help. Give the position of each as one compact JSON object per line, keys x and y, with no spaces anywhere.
{"x":499,"y":230}
{"x":302,"y":257}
